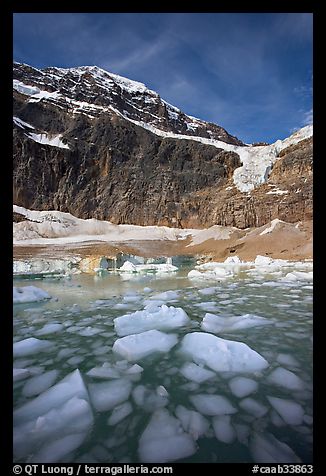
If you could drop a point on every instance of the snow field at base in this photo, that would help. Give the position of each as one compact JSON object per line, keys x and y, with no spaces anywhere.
{"x":240,"y":405}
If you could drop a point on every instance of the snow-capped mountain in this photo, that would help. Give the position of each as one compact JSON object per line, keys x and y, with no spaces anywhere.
{"x":92,"y":91}
{"x":97,"y":145}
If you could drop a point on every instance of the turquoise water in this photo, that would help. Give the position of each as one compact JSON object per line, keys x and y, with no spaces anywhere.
{"x":88,"y":302}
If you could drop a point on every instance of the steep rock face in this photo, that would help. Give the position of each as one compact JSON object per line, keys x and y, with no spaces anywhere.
{"x":286,"y":195}
{"x":140,"y":178}
{"x":75,"y":151}
{"x":91,"y":90}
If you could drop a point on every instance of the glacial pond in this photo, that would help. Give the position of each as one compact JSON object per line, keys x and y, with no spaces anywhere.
{"x":80,"y":395}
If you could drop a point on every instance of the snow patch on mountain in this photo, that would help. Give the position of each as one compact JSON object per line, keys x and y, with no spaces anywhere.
{"x":256,"y":161}
{"x":46,"y":139}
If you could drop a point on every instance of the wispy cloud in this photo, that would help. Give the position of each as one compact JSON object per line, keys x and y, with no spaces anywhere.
{"x":247,"y":72}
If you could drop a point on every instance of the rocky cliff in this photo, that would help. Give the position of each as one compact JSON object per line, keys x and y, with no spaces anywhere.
{"x":97,"y":145}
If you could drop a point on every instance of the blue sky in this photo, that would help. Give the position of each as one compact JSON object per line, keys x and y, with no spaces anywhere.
{"x":248,"y":72}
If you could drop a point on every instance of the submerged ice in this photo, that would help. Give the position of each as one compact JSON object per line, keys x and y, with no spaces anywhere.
{"x":159,"y":382}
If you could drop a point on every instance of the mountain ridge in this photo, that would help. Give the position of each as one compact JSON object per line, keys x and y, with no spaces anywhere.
{"x":131,"y":98}
{"x":91,"y":160}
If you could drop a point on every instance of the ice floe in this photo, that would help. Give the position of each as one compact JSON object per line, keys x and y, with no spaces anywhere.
{"x":242,"y":386}
{"x":39,"y":383}
{"x":253,"y":407}
{"x":29,"y":294}
{"x":217,"y":324}
{"x":192,"y":422}
{"x":148,"y":399}
{"x":30,"y":346}
{"x":163,"y":440}
{"x":265,"y":448}
{"x":285,"y":378}
{"x":160,"y":318}
{"x":105,"y":396}
{"x":195,"y":373}
{"x":119,"y":413}
{"x":291,"y":411}
{"x":147,"y":268}
{"x":212,"y":404}
{"x":52,"y":425}
{"x":20,"y":374}
{"x":50,"y":328}
{"x":137,"y":346}
{"x":221,"y":354}
{"x":223,"y":429}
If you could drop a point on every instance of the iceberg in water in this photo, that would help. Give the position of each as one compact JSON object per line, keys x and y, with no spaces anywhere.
{"x":54,"y":424}
{"x":221,"y":354}
{"x":164,"y":440}
{"x":216,"y":324}
{"x":137,"y":346}
{"x":29,"y":294}
{"x":150,"y":267}
{"x":160,"y":318}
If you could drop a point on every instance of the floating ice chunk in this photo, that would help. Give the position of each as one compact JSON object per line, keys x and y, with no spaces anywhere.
{"x":291,"y":412}
{"x":166,"y":296}
{"x":71,"y":386}
{"x":106,"y":396}
{"x":163,"y":440}
{"x":103,"y":372}
{"x":60,"y":411}
{"x":75,"y":360}
{"x":216,"y":324}
{"x":243,"y":432}
{"x":20,"y":374}
{"x":49,"y":329}
{"x":276,"y":419}
{"x":102,"y":350}
{"x":265,"y":448}
{"x":221,"y":354}
{"x":89,"y":331}
{"x":242,"y":386}
{"x":195,"y":274}
{"x":223,"y":429}
{"x":253,"y":407}
{"x":134,"y":370}
{"x":65,"y":352}
{"x":162,"y":318}
{"x":299,"y":276}
{"x":196,"y":373}
{"x":233,"y":260}
{"x":39,"y":383}
{"x":217,"y":272}
{"x":285,"y":378}
{"x":288,"y":360}
{"x":192,"y":422}
{"x":148,"y":399}
{"x":119,"y":413}
{"x":161,"y":391}
{"x":147,"y":290}
{"x":30,"y":346}
{"x":128,"y":266}
{"x":212,"y":404}
{"x":263,"y":260}
{"x":29,"y":294}
{"x":132,"y":298}
{"x":207,"y":306}
{"x":137,"y":346}
{"x":58,"y":449}
{"x":207,"y":291}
